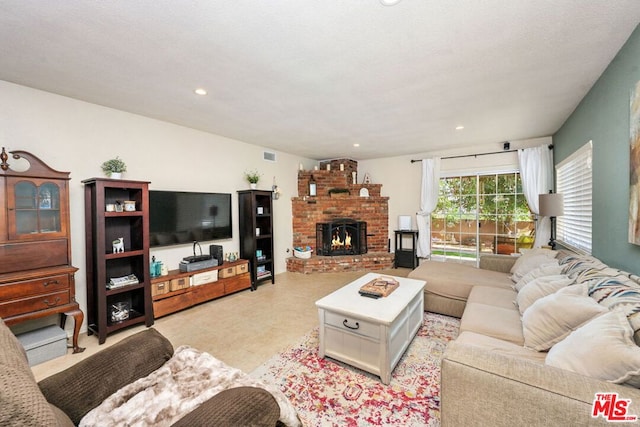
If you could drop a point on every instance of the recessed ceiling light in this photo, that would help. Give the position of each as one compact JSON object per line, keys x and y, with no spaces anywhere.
{"x":459,"y":127}
{"x":200,"y":91}
{"x":389,"y":2}
{"x":356,"y":145}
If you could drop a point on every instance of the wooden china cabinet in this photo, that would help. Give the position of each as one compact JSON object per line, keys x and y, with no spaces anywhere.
{"x":36,"y":275}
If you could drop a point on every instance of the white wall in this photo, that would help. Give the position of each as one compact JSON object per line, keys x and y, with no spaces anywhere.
{"x":401,"y":179}
{"x":75,"y":136}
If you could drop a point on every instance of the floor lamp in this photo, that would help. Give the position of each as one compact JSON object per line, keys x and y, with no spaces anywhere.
{"x":551,"y":205}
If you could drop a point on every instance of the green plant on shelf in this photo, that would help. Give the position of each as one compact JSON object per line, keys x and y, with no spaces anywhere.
{"x":252,"y":176}
{"x":112,"y":166}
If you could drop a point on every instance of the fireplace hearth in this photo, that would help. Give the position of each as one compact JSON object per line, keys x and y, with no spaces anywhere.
{"x":344,"y":236}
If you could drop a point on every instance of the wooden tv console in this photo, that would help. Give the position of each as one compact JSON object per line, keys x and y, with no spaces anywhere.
{"x":167,"y":301}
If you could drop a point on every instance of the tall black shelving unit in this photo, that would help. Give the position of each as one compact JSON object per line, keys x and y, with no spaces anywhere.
{"x":256,"y":234}
{"x":103,"y":226}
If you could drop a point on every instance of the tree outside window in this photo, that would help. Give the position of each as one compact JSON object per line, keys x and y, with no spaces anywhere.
{"x":481,"y":213}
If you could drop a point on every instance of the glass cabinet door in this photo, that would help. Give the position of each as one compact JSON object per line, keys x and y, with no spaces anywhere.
{"x":34,"y":208}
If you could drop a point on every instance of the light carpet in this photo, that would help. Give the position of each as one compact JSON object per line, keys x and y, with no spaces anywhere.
{"x":326,"y":392}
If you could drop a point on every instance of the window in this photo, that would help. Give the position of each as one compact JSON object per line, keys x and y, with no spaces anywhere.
{"x":480,"y":214}
{"x":573,"y":180}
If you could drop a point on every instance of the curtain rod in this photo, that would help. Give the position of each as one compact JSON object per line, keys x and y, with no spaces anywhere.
{"x":479,"y":154}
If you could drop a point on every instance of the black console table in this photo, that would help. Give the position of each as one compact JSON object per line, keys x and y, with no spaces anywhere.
{"x":406,"y":257}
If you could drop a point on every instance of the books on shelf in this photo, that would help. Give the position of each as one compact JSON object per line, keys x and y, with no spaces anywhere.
{"x":262,"y":271}
{"x":120,"y":282}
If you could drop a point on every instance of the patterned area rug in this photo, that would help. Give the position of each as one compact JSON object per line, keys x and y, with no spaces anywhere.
{"x":326,"y":392}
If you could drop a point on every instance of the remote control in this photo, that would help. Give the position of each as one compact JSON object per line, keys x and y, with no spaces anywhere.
{"x":369,"y":295}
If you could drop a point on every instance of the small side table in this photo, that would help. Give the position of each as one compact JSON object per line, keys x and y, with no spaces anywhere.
{"x":406,"y":257}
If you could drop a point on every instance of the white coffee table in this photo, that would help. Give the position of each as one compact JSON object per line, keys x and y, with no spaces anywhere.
{"x":370,"y":334}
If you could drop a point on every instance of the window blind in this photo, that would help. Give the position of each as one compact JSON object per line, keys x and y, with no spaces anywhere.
{"x":574,"y":180}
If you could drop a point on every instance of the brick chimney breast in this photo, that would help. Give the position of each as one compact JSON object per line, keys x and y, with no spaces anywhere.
{"x":307,"y":210}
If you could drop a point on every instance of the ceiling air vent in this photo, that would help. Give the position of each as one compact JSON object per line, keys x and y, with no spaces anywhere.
{"x":269,"y":156}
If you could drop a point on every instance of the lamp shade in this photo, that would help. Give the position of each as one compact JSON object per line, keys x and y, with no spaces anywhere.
{"x":551,"y":204}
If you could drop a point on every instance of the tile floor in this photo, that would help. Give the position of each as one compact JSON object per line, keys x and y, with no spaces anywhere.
{"x":244,"y":329}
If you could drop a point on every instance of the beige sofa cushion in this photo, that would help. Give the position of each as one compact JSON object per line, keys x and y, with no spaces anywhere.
{"x":495,"y":345}
{"x":497,"y":297}
{"x":603,"y":349}
{"x":456,"y":281}
{"x":498,"y":322}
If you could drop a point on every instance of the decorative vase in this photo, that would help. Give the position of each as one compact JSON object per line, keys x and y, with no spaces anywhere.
{"x":253,"y":185}
{"x":116,"y":175}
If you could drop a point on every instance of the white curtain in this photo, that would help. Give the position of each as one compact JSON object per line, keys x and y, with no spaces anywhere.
{"x":536,"y":172}
{"x":428,"y":202}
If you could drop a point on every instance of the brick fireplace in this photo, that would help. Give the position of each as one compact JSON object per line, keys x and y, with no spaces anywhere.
{"x":338,"y":198}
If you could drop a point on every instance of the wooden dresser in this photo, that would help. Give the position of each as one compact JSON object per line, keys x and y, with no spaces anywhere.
{"x":36,"y":275}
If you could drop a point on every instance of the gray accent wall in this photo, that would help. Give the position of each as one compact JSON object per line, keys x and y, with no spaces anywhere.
{"x":603,"y":117}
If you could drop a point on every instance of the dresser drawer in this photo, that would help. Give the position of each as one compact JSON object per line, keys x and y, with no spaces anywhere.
{"x":353,"y":325}
{"x":237,"y":283}
{"x":34,"y":287}
{"x":36,"y":303}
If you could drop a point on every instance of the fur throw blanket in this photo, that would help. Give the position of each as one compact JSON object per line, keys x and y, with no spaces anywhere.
{"x":183,"y":383}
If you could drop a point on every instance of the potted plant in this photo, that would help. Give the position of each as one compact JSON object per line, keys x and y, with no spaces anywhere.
{"x":253,"y":177}
{"x":113,"y":168}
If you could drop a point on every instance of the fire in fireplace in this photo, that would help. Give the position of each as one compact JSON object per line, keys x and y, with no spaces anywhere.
{"x":343,"y":236}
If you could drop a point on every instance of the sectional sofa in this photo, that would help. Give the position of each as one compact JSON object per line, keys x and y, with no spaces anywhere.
{"x":546,"y":339}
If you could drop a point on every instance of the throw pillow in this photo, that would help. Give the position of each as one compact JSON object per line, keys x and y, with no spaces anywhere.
{"x":566,"y":257}
{"x":602,"y":288}
{"x":603,"y":349}
{"x":583,"y":263}
{"x":540,"y":287}
{"x":548,"y":269}
{"x":550,"y":319}
{"x":618,"y":292}
{"x":590,"y":274}
{"x":530,"y":259}
{"x":564,"y":254}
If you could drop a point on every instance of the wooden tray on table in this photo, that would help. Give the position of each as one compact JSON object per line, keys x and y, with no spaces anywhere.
{"x":381,"y":286}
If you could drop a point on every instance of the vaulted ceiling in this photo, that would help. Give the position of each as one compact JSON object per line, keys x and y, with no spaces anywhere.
{"x":314,"y":77}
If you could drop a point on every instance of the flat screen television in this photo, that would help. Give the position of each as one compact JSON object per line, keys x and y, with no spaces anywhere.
{"x":179,"y":217}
